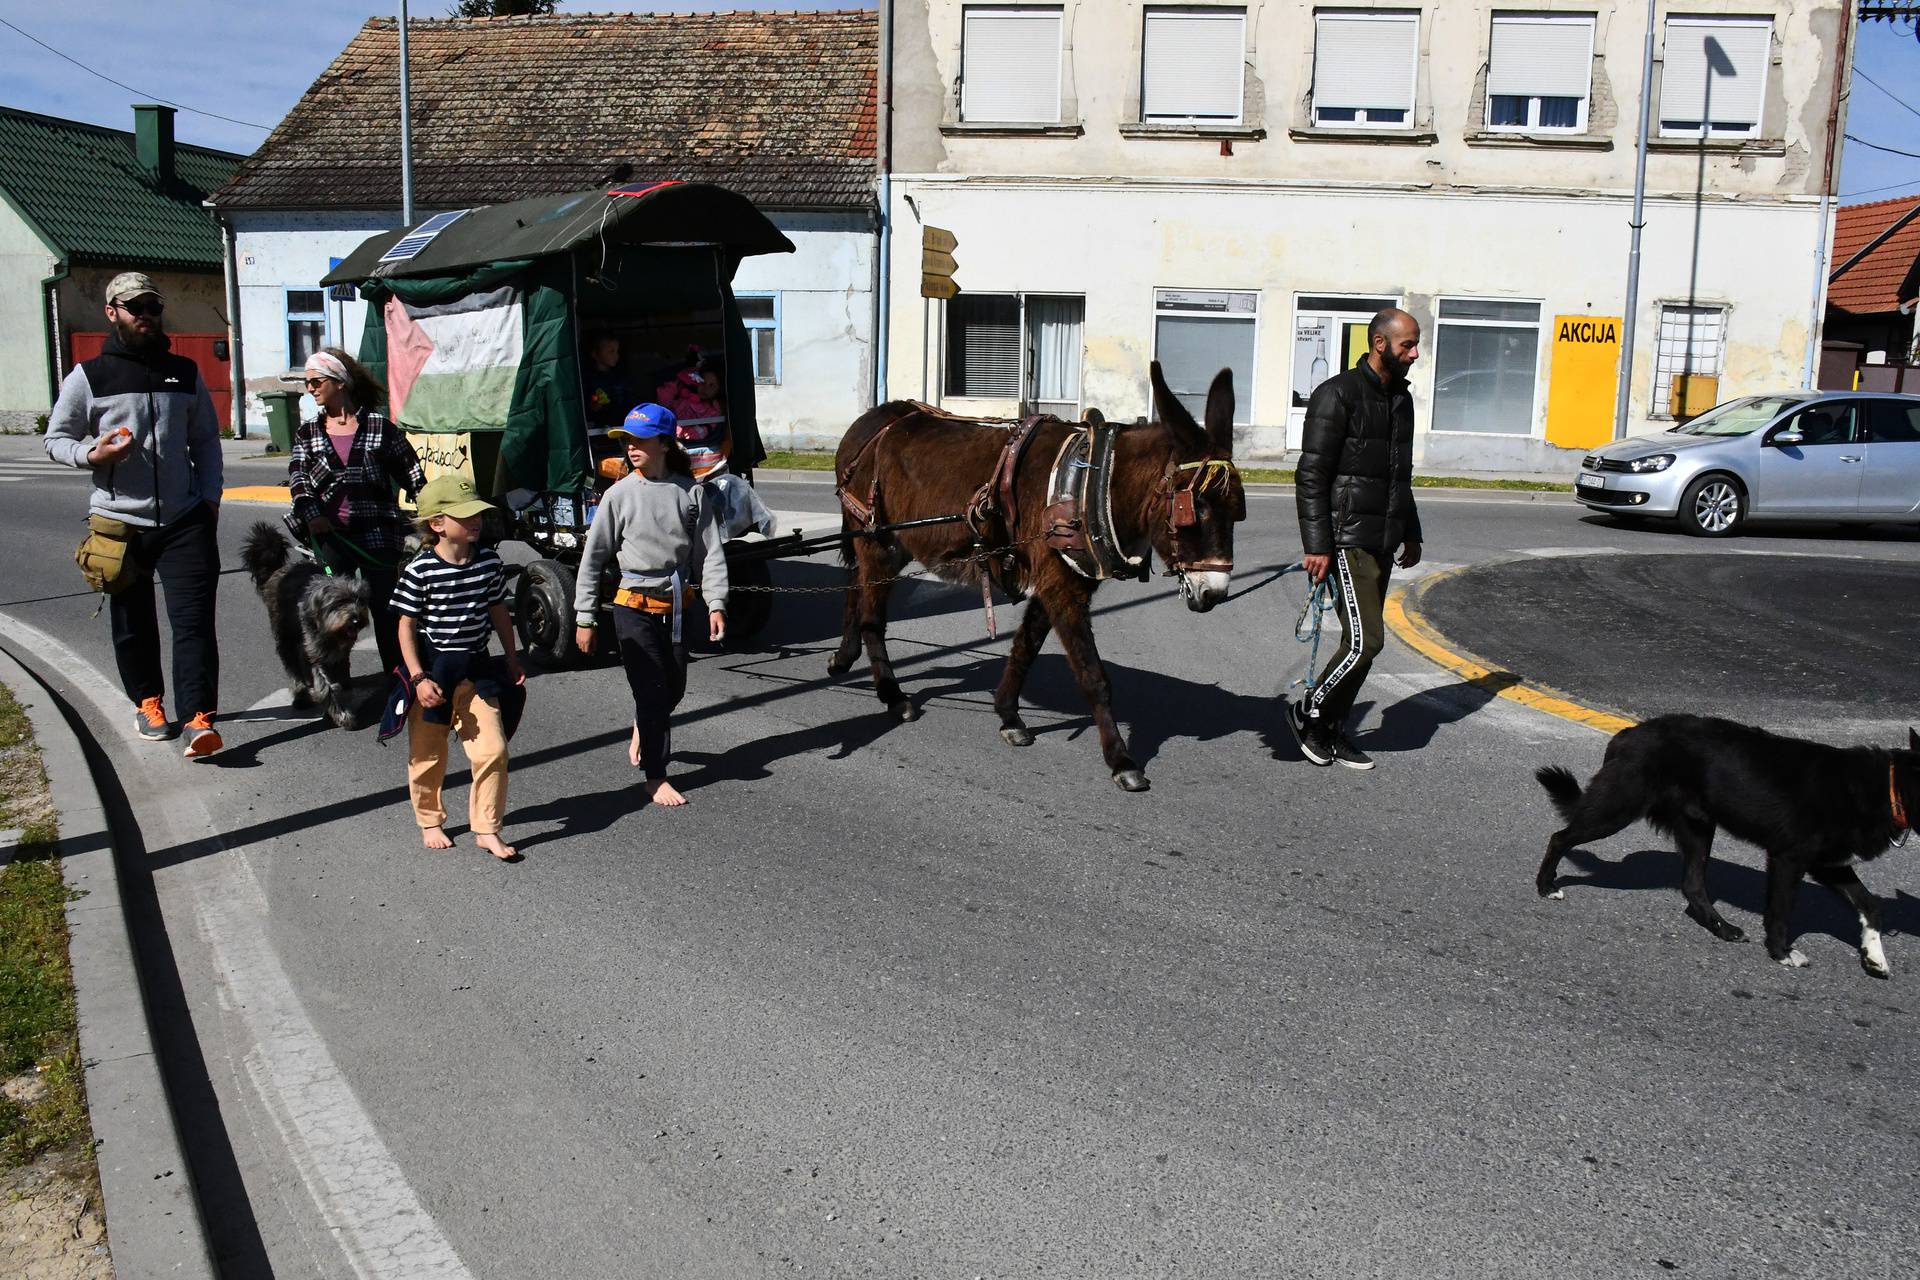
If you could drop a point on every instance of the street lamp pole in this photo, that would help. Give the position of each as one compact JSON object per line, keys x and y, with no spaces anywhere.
{"x":1624,"y":388}
{"x":406,"y":127}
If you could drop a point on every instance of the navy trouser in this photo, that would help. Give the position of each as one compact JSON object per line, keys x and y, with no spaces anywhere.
{"x":657,"y":674}
{"x":185,"y":556}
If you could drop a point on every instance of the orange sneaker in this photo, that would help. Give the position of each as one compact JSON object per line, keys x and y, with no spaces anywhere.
{"x":202,"y":741}
{"x":150,"y":721}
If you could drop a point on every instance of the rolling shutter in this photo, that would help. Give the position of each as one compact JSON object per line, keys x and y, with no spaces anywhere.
{"x":1365,"y":61}
{"x":1191,"y":64}
{"x":1737,"y":57}
{"x":1541,"y":57}
{"x":1010,"y":66}
{"x":983,"y":356}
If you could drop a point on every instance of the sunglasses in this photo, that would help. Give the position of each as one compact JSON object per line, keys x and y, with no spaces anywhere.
{"x":138,"y":308}
{"x":315,"y":383}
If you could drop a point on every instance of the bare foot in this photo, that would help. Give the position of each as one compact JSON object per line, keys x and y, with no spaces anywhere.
{"x":633,"y":748}
{"x":436,"y":838}
{"x":661,"y":792}
{"x":493,"y":845}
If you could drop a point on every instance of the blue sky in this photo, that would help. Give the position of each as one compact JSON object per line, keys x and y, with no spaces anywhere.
{"x":252,"y":60}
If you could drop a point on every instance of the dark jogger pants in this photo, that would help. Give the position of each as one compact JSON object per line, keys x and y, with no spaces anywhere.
{"x":185,"y":555}
{"x":657,"y":673}
{"x":1360,"y":590}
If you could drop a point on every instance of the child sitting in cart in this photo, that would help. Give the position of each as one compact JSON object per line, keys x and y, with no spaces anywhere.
{"x":653,"y":524}
{"x":696,"y":395}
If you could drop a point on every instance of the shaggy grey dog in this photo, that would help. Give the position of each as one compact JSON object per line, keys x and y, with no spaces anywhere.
{"x":316,"y":619}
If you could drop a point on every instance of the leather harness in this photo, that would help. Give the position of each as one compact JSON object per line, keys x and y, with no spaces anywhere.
{"x":1893,"y":796}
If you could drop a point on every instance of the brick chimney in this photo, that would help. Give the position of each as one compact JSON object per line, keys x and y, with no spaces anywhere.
{"x":153,"y":140}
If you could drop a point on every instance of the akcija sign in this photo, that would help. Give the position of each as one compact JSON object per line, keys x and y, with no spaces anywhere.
{"x":1588,"y":330}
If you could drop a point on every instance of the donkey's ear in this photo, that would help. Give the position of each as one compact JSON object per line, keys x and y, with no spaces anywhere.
{"x":1220,"y":412}
{"x":1166,"y":406}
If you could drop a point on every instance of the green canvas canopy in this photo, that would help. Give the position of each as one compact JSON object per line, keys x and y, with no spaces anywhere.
{"x":474,"y":316}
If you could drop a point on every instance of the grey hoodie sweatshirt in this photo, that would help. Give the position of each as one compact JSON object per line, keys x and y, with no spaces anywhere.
{"x":175,"y":462}
{"x":652,"y":528}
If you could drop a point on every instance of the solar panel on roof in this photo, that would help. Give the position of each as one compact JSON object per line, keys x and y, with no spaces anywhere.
{"x":410,"y":245}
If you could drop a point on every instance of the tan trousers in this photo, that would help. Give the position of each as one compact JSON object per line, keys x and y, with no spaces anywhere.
{"x":477,"y":721}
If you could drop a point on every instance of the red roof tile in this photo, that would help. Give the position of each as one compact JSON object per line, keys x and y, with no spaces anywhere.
{"x":778,"y":106}
{"x":1873,"y":284}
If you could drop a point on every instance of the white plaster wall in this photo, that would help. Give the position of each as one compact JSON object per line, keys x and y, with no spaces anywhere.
{"x":277,"y":251}
{"x":1115,"y":243}
{"x":826,"y":327}
{"x":24,"y":262}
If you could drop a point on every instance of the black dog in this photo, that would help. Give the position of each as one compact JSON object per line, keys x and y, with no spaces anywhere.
{"x":316,"y":620}
{"x":1813,"y":809}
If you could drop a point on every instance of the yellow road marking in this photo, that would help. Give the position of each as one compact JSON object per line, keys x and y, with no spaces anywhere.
{"x":1404,"y":618}
{"x":257,"y":493}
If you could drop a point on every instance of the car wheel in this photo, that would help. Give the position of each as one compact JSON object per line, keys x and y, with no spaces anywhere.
{"x":1713,"y":506}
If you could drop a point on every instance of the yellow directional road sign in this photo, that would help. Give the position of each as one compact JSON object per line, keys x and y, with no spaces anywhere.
{"x":937,"y":264}
{"x":938,"y":240}
{"x":938,"y":287}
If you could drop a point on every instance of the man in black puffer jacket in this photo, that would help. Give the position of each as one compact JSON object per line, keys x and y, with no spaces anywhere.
{"x":1354,"y":489}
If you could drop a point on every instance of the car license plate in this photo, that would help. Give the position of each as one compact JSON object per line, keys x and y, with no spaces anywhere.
{"x":1591,"y":482}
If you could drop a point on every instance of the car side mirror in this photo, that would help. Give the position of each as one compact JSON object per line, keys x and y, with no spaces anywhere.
{"x":1790,"y":436}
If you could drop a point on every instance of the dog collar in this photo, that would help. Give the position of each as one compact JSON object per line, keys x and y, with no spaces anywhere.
{"x":1893,"y":796}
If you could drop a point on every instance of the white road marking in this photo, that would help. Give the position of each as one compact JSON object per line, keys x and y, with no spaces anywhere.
{"x":379,"y":1223}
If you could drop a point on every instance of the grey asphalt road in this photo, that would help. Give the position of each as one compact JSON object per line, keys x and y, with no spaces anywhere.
{"x":899,"y":1000}
{"x":1799,"y":636}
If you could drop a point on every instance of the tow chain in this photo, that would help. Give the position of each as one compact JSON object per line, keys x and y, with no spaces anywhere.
{"x":979,"y":557}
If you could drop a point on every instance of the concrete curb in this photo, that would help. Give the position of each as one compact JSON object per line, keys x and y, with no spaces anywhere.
{"x":154,"y":1227}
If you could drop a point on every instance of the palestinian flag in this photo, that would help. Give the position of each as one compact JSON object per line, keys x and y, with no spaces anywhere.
{"x":451,"y":366}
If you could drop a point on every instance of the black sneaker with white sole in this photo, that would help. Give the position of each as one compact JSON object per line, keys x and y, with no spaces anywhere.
{"x":1345,"y":753}
{"x":1313,"y":743}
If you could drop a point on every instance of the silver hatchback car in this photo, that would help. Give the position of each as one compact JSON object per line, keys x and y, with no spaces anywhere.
{"x":1805,"y":455}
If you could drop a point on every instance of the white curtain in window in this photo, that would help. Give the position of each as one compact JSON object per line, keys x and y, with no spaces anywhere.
{"x":1056,"y":325}
{"x":1540,"y":56}
{"x":1191,"y":64}
{"x":1734,"y":53}
{"x":1365,"y":61}
{"x":1010,"y":65}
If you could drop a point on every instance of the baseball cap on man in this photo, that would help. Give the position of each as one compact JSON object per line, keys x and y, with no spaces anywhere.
{"x":451,"y":495}
{"x":130,"y":284}
{"x":645,"y":422}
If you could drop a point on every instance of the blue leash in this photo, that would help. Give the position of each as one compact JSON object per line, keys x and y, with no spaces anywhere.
{"x":1306,"y":629}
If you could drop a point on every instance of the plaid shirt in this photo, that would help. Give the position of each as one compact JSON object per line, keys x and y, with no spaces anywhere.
{"x":380,"y":462}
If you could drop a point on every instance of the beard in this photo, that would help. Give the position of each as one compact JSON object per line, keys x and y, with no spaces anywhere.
{"x":135,"y":338}
{"x":1394,"y":369}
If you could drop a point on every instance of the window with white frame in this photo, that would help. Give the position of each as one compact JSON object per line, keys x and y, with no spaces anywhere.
{"x":1365,"y":64}
{"x":1190,"y":64}
{"x":760,"y":312}
{"x":1010,"y":64}
{"x":1713,"y":76}
{"x":1024,"y":346}
{"x":306,"y":324}
{"x":1693,"y":339}
{"x":1197,"y":333}
{"x":1486,"y":365}
{"x":983,"y":346}
{"x":1539,"y":72}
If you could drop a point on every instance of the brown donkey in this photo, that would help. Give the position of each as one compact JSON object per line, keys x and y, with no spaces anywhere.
{"x":1175,"y":493}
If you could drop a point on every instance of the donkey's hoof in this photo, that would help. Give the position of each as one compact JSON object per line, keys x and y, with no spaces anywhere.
{"x":837,"y":668}
{"x":1131,"y":780}
{"x":904,"y":711}
{"x":1017,"y":736}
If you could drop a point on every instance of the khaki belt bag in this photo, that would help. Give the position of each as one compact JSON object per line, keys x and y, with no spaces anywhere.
{"x":105,"y":556}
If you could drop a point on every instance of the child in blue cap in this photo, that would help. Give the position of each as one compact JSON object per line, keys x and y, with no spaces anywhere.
{"x":653,"y":524}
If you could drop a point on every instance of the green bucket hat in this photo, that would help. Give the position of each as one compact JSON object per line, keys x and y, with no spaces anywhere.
{"x":451,"y":495}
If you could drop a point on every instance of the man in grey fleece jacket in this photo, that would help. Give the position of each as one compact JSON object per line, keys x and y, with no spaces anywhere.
{"x":142,"y":419}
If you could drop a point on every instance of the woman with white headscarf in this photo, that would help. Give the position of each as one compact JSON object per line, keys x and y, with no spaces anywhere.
{"x":345,"y":469}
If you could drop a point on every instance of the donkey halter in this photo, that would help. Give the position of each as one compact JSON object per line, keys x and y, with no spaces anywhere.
{"x":1199,"y":476}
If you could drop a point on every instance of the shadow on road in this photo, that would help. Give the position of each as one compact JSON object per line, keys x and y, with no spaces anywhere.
{"x":1410,"y":723}
{"x":1817,"y":909}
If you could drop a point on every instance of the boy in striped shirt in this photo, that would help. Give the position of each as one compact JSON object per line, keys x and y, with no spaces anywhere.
{"x":450,"y":598}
